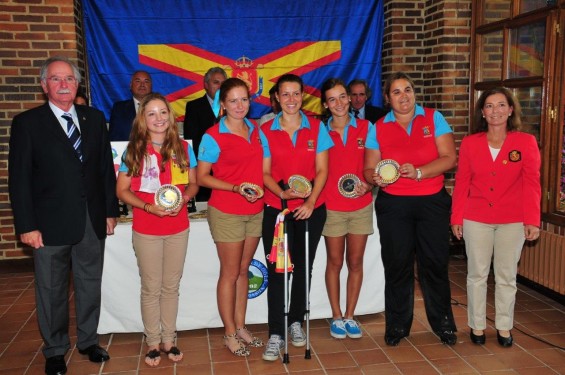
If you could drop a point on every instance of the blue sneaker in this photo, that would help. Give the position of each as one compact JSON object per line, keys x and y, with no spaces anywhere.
{"x":337,"y":329}
{"x":352,"y":328}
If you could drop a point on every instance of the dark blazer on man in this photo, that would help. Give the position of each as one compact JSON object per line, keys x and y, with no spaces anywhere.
{"x":52,"y":191}
{"x":373,"y":113}
{"x":121,"y":120}
{"x":197,"y":119}
{"x":50,"y":188}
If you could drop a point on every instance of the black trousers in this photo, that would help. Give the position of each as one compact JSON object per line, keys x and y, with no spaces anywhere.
{"x":415,"y":227}
{"x":296,"y":246}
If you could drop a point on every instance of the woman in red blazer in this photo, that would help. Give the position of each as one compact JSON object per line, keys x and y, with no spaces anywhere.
{"x":496,"y":207}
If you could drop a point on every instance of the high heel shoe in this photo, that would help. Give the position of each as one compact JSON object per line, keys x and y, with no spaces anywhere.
{"x":255,"y":341}
{"x":478,"y":339}
{"x":505,"y":342}
{"x":241,"y":350}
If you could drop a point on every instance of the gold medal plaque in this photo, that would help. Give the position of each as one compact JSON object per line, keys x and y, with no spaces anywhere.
{"x":389,"y":170}
{"x":299,"y":184}
{"x":251,"y":190}
{"x":346,"y":185}
{"x":168,"y":197}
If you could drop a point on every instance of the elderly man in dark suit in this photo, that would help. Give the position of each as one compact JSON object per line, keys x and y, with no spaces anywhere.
{"x":123,"y":112}
{"x":360,"y":93}
{"x":199,"y":116}
{"x":62,"y":190}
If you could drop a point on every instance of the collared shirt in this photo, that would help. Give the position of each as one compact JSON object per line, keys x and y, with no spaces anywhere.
{"x":234,"y":160}
{"x":136,"y":104}
{"x":346,"y":157}
{"x":324,"y":141}
{"x":441,"y":126}
{"x":59,"y":112}
{"x":415,"y":145}
{"x":352,"y":122}
{"x":209,"y":149}
{"x":361,"y":112}
{"x":294,"y":155}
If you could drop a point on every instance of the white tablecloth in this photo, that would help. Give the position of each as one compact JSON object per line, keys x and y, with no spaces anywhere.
{"x":198,"y":309}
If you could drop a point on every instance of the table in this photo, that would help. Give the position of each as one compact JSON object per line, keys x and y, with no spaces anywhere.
{"x":120,"y":310}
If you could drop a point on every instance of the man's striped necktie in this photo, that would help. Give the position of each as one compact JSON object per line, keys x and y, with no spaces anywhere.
{"x":73,"y":134}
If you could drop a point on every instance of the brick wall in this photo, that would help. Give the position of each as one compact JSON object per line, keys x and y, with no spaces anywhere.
{"x":430,"y":40}
{"x":30,"y":32}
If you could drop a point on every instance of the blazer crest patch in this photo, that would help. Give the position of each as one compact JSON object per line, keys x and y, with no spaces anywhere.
{"x":515,"y":156}
{"x":360,"y":143}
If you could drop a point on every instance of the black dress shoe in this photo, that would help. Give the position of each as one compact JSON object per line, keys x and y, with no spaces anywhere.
{"x":504,"y":341}
{"x":478,"y":339}
{"x":393,"y":337}
{"x":447,"y":337}
{"x":95,"y":353}
{"x":56,"y":365}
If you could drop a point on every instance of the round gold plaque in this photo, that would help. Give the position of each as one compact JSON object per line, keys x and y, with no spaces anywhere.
{"x":251,"y":190}
{"x":389,"y":170}
{"x":168,"y":197}
{"x":346,"y":185}
{"x":299,"y":184}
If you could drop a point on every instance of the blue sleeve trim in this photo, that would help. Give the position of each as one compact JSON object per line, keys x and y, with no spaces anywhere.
{"x":371,"y":141}
{"x":440,"y":124}
{"x":209,"y":149}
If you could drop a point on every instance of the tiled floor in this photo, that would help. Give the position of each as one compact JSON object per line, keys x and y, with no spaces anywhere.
{"x":421,"y":353}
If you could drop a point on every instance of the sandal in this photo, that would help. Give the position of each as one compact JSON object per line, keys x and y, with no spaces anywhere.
{"x":174,"y":351}
{"x":241,"y":351}
{"x":151,"y":355}
{"x":255,"y":341}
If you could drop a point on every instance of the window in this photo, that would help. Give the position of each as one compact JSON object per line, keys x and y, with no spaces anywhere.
{"x":520,"y":44}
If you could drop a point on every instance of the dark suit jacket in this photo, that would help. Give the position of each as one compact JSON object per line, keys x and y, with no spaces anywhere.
{"x":49,"y":186}
{"x":374,"y":113}
{"x":198,"y":118}
{"x":121,"y":119}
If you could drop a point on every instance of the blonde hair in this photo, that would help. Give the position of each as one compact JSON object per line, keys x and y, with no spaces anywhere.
{"x":171,"y":148}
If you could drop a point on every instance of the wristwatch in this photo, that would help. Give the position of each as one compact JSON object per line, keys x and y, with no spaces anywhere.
{"x":418,"y":174}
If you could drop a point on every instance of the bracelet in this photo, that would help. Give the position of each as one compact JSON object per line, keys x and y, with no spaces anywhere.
{"x":145,"y":207}
{"x":233,"y":188}
{"x":280,"y":195}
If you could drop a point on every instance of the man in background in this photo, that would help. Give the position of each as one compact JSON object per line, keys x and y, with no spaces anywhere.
{"x":275,"y":107}
{"x":62,"y":189}
{"x":123,"y":112}
{"x":199,"y":116}
{"x":360,"y":93}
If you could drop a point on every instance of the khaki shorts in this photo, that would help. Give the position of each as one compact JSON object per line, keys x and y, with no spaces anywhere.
{"x":233,"y":228}
{"x":339,"y":223}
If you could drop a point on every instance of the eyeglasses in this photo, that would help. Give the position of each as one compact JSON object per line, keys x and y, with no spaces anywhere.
{"x":57,"y":80}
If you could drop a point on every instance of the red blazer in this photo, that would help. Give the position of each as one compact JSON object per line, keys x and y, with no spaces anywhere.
{"x":506,"y":190}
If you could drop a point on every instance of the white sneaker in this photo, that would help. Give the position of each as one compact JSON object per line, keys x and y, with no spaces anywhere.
{"x":273,"y":347}
{"x":297,"y":335}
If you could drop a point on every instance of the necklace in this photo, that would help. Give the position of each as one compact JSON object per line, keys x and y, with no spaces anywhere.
{"x":157,"y":144}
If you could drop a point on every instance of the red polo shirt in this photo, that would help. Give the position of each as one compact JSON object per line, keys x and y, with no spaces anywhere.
{"x":345,"y":159}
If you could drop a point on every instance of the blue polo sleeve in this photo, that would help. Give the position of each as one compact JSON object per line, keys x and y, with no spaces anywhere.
{"x":265,"y":144}
{"x":209,"y":149}
{"x":123,"y":166}
{"x":371,"y":141}
{"x":191,"y":156}
{"x":440,"y":124}
{"x":324,"y":140}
